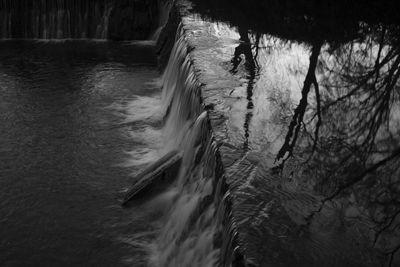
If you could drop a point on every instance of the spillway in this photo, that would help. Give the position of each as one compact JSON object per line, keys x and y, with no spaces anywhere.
{"x":78,"y":19}
{"x":192,"y":232}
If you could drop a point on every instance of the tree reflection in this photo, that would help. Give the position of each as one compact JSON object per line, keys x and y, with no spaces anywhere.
{"x":358,"y":153}
{"x":251,"y":69}
{"x":297,"y":120}
{"x":345,"y":129}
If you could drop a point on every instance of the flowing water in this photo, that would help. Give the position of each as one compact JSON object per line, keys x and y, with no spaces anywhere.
{"x":188,"y":213}
{"x":79,"y":119}
{"x":55,"y":19}
{"x":79,"y":19}
{"x":190,"y":222}
{"x":76,"y":120}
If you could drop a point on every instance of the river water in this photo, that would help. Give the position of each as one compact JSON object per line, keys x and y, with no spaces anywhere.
{"x":74,"y":126}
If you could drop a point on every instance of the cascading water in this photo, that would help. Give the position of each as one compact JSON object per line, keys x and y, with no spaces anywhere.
{"x":78,"y":19}
{"x":59,"y":19}
{"x":164,"y":8}
{"x":192,"y":232}
{"x":192,"y":224}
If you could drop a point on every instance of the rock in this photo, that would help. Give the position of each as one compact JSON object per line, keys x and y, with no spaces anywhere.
{"x":163,"y":170}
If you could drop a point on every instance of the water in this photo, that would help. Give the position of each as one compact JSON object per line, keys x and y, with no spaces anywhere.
{"x":55,"y":19}
{"x":78,"y":19}
{"x":191,"y":207}
{"x":80,"y":119}
{"x":73,"y":115}
{"x":251,"y":86}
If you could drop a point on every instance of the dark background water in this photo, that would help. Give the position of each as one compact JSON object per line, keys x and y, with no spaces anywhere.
{"x":61,"y":147}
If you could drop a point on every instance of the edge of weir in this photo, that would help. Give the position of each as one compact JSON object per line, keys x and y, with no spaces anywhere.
{"x":231,"y":246}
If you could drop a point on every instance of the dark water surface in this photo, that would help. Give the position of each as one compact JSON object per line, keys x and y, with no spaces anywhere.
{"x":61,"y":149}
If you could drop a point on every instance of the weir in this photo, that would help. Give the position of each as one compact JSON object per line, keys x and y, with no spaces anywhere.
{"x":192,"y":232}
{"x":225,"y":203}
{"x":78,"y":19}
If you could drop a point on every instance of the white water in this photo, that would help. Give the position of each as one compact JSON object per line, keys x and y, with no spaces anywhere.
{"x":191,"y":207}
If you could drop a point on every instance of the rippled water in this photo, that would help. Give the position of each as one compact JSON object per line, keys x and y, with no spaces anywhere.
{"x":70,"y":114}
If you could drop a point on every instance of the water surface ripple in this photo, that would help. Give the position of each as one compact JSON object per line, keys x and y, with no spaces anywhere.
{"x":63,"y":132}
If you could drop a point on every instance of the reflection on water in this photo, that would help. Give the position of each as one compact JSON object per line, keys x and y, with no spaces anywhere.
{"x":321,"y":128}
{"x":66,"y":119}
{"x":251,"y":69}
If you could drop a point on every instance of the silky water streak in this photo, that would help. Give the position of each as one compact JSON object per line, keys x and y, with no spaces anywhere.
{"x":191,"y":229}
{"x":56,"y":19}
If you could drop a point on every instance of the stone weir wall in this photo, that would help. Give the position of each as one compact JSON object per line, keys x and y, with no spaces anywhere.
{"x":270,"y":219}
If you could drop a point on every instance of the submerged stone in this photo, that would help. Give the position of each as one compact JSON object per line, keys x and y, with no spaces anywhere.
{"x":162,"y":171}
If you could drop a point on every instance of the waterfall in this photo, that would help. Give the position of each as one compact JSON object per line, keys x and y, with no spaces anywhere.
{"x":164,"y":8}
{"x":192,"y":232}
{"x":78,"y":19}
{"x":55,"y":19}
